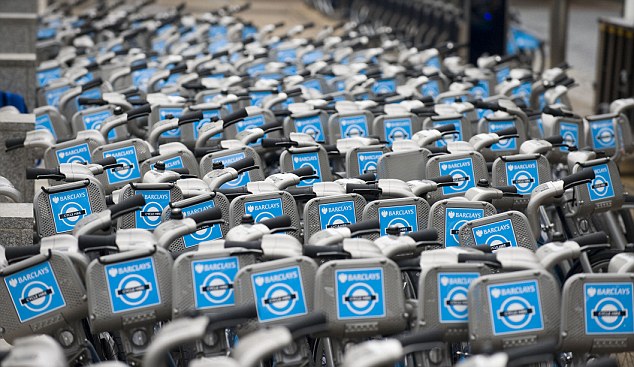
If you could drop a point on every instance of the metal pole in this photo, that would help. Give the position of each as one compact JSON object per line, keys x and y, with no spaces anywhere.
{"x":558,"y":31}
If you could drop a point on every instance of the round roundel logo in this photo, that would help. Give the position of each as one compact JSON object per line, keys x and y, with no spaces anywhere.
{"x":461,"y":177}
{"x":397,"y":222}
{"x":609,"y":313}
{"x":360,"y":298}
{"x":478,"y":92}
{"x":310,"y":130}
{"x":70,"y":213}
{"x":569,"y":138}
{"x":605,"y":136}
{"x":216,"y":287}
{"x":521,"y":179}
{"x":36,"y":296}
{"x":133,"y":289}
{"x":397,"y":133}
{"x":126,"y":171}
{"x":456,"y":301}
{"x":151,"y":214}
{"x":600,"y":186}
{"x":202,"y":234}
{"x":497,"y":240}
{"x":354,"y":131}
{"x":515,"y":312}
{"x":505,"y":143}
{"x":279,"y":299}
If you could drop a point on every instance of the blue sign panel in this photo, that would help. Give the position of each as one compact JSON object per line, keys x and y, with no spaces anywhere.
{"x":129,"y":170}
{"x":368,"y":161}
{"x":601,"y":187}
{"x":149,"y":217}
{"x":515,"y":307}
{"x":360,"y":293}
{"x":456,"y":218}
{"x":68,"y":208}
{"x":397,"y":129}
{"x":264,"y":209}
{"x":132,"y":285}
{"x":523,"y":175}
{"x":608,"y":308}
{"x":338,"y":214}
{"x":307,"y":159}
{"x":603,"y":135}
{"x":34,"y":291}
{"x":353,"y":126}
{"x":203,"y":234}
{"x":402,"y":216}
{"x":461,"y":170}
{"x":497,"y":235}
{"x":213,"y":282}
{"x":279,"y":294}
{"x":453,"y":296}
{"x":310,"y":125}
{"x":75,"y":154}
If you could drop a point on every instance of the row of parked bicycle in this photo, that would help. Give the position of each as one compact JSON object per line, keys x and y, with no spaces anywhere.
{"x":217,"y":194}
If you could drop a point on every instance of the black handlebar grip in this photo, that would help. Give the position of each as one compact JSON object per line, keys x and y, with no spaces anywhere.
{"x":313,"y":251}
{"x":365,"y":225}
{"x":507,"y":189}
{"x":89,"y":241}
{"x":352,"y":188}
{"x":445,"y":128}
{"x":234,"y":117}
{"x":108,"y":161}
{"x":91,"y":84}
{"x":14,"y":143}
{"x":139,"y":66}
{"x":242,"y":164}
{"x":438,"y":150}
{"x":425,"y":235}
{"x":217,"y":55}
{"x":91,"y":101}
{"x":556,"y":139}
{"x":207,"y":215}
{"x":277,"y":142}
{"x":367,"y":177}
{"x":597,"y":238}
{"x":224,"y":319}
{"x":21,"y":252}
{"x":139,"y":111}
{"x":579,"y":177}
{"x":427,"y":100}
{"x":303,"y":171}
{"x":308,"y":25}
{"x":463,"y":258}
{"x":418,"y":337}
{"x":301,"y":193}
{"x":294,"y":92}
{"x":300,"y":325}
{"x":506,"y":132}
{"x":283,"y":221}
{"x":33,"y":173}
{"x":127,"y":205}
{"x":190,"y":117}
{"x":179,"y":68}
{"x":442,"y":179}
